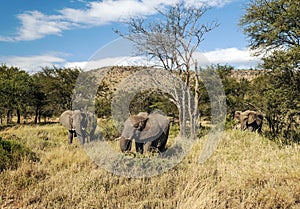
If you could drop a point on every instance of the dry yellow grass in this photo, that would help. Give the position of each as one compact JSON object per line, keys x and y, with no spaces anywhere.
{"x":246,"y":171}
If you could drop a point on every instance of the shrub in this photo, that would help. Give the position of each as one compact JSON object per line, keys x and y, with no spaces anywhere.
{"x":12,"y":153}
{"x":108,"y":129}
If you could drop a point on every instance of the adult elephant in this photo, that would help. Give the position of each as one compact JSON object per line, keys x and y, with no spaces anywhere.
{"x":150,"y":131}
{"x":249,"y":120}
{"x":79,"y":124}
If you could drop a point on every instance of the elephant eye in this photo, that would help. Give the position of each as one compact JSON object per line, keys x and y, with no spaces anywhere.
{"x":136,"y":125}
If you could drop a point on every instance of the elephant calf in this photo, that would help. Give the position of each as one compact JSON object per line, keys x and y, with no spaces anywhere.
{"x":79,"y":124}
{"x":150,"y":131}
{"x":249,"y":120}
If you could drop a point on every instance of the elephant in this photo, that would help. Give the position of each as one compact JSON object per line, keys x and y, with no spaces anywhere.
{"x":150,"y":131}
{"x":79,"y":124}
{"x":249,"y":120}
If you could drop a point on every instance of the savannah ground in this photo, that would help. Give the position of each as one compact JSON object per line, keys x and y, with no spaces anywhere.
{"x":246,"y":171}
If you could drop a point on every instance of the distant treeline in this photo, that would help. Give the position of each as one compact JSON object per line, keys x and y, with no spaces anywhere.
{"x":40,"y":95}
{"x":49,"y":92}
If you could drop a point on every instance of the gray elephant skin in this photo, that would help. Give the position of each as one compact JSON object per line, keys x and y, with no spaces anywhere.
{"x":80,"y":124}
{"x":249,"y":120}
{"x":150,"y":131}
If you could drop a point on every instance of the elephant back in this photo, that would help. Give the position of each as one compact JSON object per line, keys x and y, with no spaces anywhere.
{"x":156,"y":125}
{"x":66,"y":119}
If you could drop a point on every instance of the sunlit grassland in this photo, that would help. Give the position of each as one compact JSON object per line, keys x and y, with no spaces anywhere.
{"x":246,"y":171}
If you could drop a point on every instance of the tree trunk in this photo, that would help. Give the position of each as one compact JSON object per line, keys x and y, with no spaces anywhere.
{"x":182,"y":117}
{"x":190,"y":112}
{"x":19,"y":117}
{"x":36,"y":115}
{"x":189,"y":108}
{"x":195,"y":115}
{"x":9,"y":117}
{"x":39,"y":118}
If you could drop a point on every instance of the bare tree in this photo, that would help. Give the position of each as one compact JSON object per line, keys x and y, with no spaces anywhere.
{"x":173,"y":39}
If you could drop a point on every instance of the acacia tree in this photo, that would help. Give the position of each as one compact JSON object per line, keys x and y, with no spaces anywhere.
{"x":14,"y":91}
{"x":172,"y":40}
{"x":52,"y":90}
{"x":272,"y":24}
{"x":273,"y":27}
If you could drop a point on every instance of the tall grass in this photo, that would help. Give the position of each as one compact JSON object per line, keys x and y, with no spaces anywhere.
{"x":246,"y":171}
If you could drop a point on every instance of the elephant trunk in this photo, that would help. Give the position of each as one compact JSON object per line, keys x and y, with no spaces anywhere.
{"x":125,"y":144}
{"x":70,"y":136}
{"x":243,"y":127}
{"x":81,"y":135}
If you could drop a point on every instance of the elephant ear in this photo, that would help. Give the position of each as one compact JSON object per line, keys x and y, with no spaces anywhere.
{"x":237,"y":115}
{"x":155,"y":126}
{"x":259,"y":118}
{"x":66,"y":119}
{"x":252,"y":117}
{"x":138,"y":121}
{"x":143,"y":114}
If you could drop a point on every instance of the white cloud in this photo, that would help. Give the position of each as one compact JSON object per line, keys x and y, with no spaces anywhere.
{"x":240,"y":58}
{"x":209,"y":3}
{"x":95,"y":64}
{"x":36,"y":25}
{"x":80,"y":65}
{"x":99,"y":13}
{"x":36,"y":62}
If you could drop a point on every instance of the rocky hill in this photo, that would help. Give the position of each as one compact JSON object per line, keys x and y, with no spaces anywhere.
{"x":246,"y":74}
{"x":117,"y":73}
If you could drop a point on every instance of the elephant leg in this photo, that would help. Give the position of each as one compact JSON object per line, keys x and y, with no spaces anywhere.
{"x":92,"y":135}
{"x":82,"y":140}
{"x":251,"y":128}
{"x":139,"y":147}
{"x":259,"y":129}
{"x":162,"y":141}
{"x":70,"y":136}
{"x":148,"y":146}
{"x":80,"y":137}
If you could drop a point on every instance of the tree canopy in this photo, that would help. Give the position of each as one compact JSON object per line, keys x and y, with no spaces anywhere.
{"x":273,"y":27}
{"x":272,"y":24}
{"x":43,"y":94}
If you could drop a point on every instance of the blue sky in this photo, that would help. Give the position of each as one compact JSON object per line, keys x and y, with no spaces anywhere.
{"x":67,"y":33}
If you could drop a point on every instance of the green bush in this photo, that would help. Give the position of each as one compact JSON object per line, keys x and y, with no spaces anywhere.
{"x":108,"y":129}
{"x":12,"y":153}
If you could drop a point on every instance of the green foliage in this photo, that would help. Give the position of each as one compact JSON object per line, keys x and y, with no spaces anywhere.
{"x":15,"y":87}
{"x":153,"y":100}
{"x":12,"y":153}
{"x":54,"y":90}
{"x":272,"y":23}
{"x":43,"y":94}
{"x":277,"y":95}
{"x":235,"y":90}
{"x":108,"y":129}
{"x":103,"y":100}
